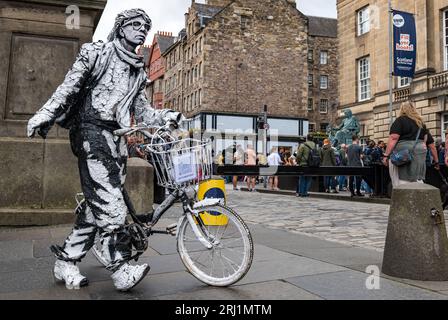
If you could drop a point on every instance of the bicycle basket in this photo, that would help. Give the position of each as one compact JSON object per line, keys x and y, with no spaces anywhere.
{"x":182,"y":162}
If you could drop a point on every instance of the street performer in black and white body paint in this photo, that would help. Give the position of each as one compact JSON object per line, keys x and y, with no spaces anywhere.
{"x":100,"y":93}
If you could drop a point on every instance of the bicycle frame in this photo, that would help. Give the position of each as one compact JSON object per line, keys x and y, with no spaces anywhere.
{"x":187,"y":198}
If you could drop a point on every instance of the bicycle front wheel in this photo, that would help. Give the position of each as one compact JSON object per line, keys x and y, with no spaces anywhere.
{"x":232,"y":252}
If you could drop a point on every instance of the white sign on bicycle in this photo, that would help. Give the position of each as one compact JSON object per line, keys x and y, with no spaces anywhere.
{"x":184,"y":167}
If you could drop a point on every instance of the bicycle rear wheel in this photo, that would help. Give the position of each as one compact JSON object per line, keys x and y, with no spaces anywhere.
{"x":231,"y":255}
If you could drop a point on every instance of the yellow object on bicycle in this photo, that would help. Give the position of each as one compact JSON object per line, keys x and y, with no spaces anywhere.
{"x":216,"y":189}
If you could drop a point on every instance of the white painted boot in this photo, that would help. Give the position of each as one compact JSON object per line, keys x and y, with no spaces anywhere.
{"x":69,"y":273}
{"x":128,"y":276}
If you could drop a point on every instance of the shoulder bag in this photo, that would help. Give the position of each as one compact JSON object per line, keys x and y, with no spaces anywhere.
{"x":404,"y":157}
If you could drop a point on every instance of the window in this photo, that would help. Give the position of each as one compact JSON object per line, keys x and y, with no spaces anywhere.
{"x":404,"y":82}
{"x":234,"y":123}
{"x":324,"y":82}
{"x":310,"y":104}
{"x":324,"y":57}
{"x":444,"y":119}
{"x":200,"y":69}
{"x":363,"y":21}
{"x":310,"y":80}
{"x":285,"y":127}
{"x":323,"y":127}
{"x":204,"y":20}
{"x":445,"y":38}
{"x":323,"y":106}
{"x":364,"y":79}
{"x":311,"y":127}
{"x":245,"y":21}
{"x":200,"y":96}
{"x":310,"y":55}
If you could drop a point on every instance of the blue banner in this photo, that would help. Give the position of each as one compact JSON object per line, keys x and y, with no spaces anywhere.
{"x":405,"y":44}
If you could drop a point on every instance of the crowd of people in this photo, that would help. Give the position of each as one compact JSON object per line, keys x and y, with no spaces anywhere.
{"x":325,"y":154}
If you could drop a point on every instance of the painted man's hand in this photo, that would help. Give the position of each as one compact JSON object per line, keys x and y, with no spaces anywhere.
{"x":40,"y":122}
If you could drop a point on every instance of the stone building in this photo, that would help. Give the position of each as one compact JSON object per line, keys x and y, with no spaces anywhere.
{"x":322,"y":73}
{"x":364,"y":63}
{"x":156,"y":67}
{"x":236,"y":57}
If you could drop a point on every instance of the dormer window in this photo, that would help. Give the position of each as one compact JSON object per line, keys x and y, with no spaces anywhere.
{"x":204,"y":20}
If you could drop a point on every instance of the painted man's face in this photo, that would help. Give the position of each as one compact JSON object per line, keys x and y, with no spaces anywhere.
{"x":135,"y":31}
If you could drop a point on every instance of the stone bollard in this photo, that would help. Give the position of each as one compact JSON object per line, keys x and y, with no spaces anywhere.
{"x":416,"y":242}
{"x":139,"y":184}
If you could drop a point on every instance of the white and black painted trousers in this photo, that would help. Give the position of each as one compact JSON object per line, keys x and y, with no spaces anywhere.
{"x":102,"y":161}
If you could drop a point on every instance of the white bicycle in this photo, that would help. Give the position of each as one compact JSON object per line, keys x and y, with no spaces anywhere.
{"x":218,"y":254}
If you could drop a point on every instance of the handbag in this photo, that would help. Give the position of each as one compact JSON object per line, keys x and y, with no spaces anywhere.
{"x":404,"y":157}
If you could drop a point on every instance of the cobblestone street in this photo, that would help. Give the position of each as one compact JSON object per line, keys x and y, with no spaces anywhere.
{"x":347,"y":222}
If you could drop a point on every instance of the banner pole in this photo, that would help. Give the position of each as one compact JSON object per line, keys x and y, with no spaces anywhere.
{"x":391,"y":64}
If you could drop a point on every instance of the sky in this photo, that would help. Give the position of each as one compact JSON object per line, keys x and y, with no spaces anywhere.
{"x":168,"y":15}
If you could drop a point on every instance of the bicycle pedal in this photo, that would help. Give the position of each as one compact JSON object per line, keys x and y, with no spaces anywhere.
{"x":172,"y":229}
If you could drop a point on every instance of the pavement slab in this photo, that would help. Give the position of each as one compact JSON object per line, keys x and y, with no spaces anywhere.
{"x":26,"y":280}
{"x":262,"y":271}
{"x":28,"y":264}
{"x":344,"y":256}
{"x":16,"y":249}
{"x":351,"y":285}
{"x":56,"y":292}
{"x":24,"y":234}
{"x":270,"y":290}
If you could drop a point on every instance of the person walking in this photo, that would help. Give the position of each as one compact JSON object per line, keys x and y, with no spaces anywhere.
{"x":355,"y":155}
{"x":238,"y":160}
{"x":328,"y":159}
{"x":407,"y":132}
{"x":250,"y":160}
{"x":273,"y":161}
{"x":303,"y":153}
{"x":103,"y":91}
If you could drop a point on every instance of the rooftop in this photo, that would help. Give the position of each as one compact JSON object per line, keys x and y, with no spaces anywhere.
{"x":322,"y":27}
{"x":164,"y":42}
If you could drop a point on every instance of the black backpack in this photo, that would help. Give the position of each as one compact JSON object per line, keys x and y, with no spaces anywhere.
{"x":313,"y":157}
